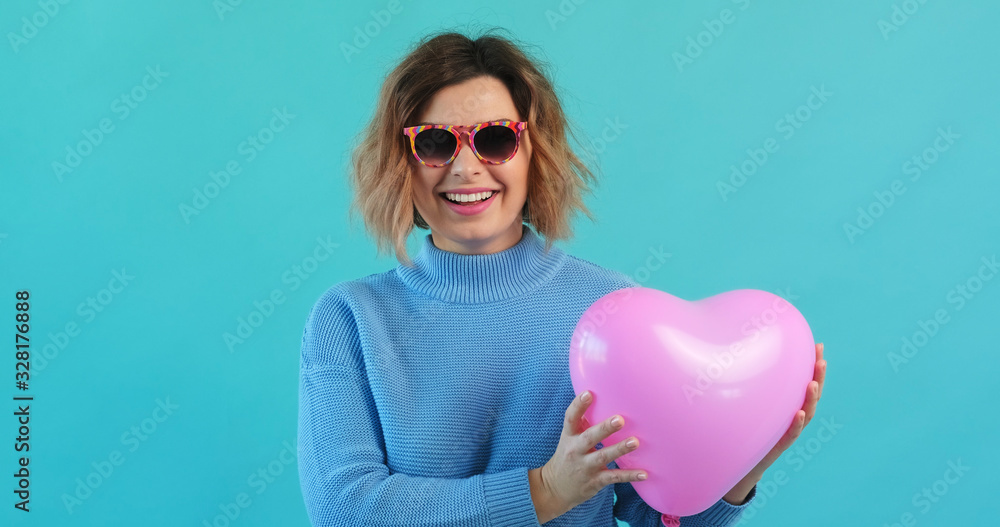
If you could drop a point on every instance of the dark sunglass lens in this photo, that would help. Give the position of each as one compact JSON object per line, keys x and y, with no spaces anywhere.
{"x":435,"y":146}
{"x":496,"y":143}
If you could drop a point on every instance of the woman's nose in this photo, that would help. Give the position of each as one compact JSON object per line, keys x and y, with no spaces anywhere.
{"x":466,"y":157}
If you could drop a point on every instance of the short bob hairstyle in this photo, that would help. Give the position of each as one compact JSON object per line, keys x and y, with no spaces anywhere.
{"x":382,"y":165}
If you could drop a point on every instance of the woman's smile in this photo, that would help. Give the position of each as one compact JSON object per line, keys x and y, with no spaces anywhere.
{"x":470,"y":208}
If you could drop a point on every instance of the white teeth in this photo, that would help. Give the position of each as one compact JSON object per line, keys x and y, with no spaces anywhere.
{"x":468,"y":197}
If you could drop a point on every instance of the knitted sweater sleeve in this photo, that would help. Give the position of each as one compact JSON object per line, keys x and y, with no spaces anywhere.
{"x":341,"y":450}
{"x":630,"y":508}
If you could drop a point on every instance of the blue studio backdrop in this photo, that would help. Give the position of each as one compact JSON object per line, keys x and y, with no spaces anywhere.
{"x":174,"y":199}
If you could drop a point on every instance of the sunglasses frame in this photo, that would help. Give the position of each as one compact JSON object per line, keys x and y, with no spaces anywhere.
{"x":458,"y":131}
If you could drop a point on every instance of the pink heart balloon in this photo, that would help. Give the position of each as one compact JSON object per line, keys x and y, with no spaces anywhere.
{"x":708,"y":387}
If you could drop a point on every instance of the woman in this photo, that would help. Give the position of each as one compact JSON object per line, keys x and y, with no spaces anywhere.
{"x":437,"y":393}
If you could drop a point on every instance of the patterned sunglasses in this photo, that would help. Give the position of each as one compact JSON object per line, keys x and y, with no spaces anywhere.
{"x":493,"y":142}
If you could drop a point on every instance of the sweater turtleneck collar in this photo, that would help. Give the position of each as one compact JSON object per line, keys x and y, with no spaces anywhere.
{"x":476,"y":278}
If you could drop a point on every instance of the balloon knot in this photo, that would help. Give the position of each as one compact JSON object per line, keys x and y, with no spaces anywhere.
{"x":670,"y":520}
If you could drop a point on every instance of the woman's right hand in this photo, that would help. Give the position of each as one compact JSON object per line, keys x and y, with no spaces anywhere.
{"x":578,"y":471}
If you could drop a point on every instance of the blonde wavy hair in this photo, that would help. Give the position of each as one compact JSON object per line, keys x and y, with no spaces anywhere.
{"x":382,"y":166}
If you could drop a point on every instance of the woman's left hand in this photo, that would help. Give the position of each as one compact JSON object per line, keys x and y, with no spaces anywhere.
{"x":815,"y":390}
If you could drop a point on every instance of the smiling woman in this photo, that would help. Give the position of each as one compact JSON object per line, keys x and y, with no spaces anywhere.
{"x":445,"y":380}
{"x":485,"y":226}
{"x":491,"y":121}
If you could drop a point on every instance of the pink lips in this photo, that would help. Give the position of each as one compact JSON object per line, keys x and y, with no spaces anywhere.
{"x":469,"y":210}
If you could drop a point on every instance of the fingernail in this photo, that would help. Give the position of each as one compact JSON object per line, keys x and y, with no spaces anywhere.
{"x":630,"y":443}
{"x":642,"y":475}
{"x":616,"y":421}
{"x":585,"y":397}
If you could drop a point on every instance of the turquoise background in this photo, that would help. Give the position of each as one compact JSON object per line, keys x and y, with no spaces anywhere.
{"x":680,"y":129}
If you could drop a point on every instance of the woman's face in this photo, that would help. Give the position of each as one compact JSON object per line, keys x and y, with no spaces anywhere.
{"x":498,"y":226}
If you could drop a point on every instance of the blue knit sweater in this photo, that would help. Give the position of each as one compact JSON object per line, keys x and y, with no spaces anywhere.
{"x":426,"y":393}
